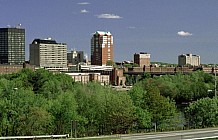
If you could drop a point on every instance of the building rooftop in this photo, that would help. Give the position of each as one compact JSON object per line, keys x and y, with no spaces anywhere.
{"x":46,"y":41}
{"x":143,"y":53}
{"x":11,"y":29}
{"x":102,"y":33}
{"x":189,"y":55}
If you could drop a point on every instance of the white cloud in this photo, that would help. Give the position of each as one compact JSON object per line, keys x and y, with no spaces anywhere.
{"x":83,"y":3}
{"x":131,"y":27}
{"x":183,"y":33}
{"x":84,"y":11}
{"x":109,"y":16}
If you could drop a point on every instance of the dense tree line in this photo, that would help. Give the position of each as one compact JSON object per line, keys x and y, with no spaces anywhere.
{"x":203,"y":113}
{"x":195,"y":91}
{"x":33,"y":103}
{"x":41,"y":102}
{"x":179,"y":87}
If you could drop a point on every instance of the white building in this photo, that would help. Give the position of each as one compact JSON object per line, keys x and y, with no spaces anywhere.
{"x":48,"y":54}
{"x":188,"y":59}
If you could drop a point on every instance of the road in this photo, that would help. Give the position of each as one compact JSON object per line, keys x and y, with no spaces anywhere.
{"x":197,"y":134}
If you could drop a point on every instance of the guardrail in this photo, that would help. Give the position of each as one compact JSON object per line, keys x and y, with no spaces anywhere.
{"x":36,"y":137}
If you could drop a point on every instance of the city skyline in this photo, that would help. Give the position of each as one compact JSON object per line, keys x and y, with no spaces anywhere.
{"x":164,"y":29}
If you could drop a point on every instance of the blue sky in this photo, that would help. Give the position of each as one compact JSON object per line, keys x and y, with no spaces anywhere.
{"x":163,"y":28}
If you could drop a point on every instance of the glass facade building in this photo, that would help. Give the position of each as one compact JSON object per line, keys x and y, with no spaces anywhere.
{"x":12,"y":46}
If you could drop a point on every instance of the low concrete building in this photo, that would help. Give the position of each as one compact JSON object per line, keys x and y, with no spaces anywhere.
{"x":117,"y":77}
{"x":8,"y":69}
{"x":88,"y":77}
{"x":142,"y":59}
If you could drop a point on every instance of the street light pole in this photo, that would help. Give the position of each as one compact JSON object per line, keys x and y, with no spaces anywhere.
{"x":215,"y":79}
{"x":75,"y":126}
{"x":71,"y":129}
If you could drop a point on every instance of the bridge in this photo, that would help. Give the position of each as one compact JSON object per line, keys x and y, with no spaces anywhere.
{"x":167,"y":70}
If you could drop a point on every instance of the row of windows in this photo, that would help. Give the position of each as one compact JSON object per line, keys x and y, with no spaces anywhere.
{"x":53,"y":57}
{"x":55,"y":52}
{"x":11,"y":52}
{"x":52,"y":61}
{"x":50,"y":50}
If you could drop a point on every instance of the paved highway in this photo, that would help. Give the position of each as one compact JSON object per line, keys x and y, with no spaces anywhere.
{"x":197,"y":134}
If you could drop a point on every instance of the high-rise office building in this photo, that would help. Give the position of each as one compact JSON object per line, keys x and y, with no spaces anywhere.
{"x":101,"y":48}
{"x":12,"y":45}
{"x":74,"y":57}
{"x":142,"y":59}
{"x":48,"y":54}
{"x":188,"y":59}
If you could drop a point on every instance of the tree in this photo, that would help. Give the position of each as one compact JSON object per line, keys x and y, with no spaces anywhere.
{"x":23,"y":113}
{"x":63,"y":109}
{"x":103,"y":110}
{"x":185,"y":88}
{"x":119,"y":113}
{"x":146,"y":96}
{"x":202,"y":113}
{"x":110,"y":63}
{"x":143,"y":119}
{"x":28,"y":109}
{"x":145,"y":75}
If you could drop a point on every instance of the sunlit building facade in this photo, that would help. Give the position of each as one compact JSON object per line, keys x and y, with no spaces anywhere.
{"x":101,"y":48}
{"x":142,"y":59}
{"x":48,"y":54}
{"x":188,"y":59}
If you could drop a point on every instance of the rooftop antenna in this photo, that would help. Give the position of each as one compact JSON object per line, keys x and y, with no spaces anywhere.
{"x":48,"y":38}
{"x":18,"y":25}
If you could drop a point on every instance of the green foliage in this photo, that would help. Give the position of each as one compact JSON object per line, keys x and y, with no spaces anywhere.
{"x":159,"y":93}
{"x":163,"y":64}
{"x":20,"y":113}
{"x":63,"y":109}
{"x":40,"y":102}
{"x":202,"y":113}
{"x":130,"y":65}
{"x":185,"y":88}
{"x":28,"y":100}
{"x":147,"y":98}
{"x":145,"y":75}
{"x":119,"y":113}
{"x":110,"y":63}
{"x":103,"y":110}
{"x":143,"y":119}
